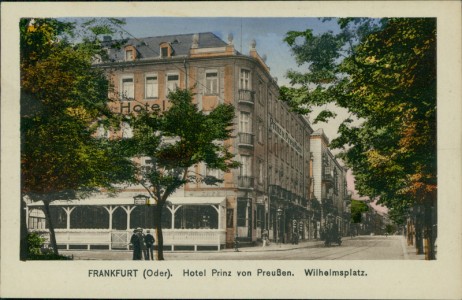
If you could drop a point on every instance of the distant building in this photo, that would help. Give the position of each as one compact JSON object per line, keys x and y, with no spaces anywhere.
{"x":329,"y":183}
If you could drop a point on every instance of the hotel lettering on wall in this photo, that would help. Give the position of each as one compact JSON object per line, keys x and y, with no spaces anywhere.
{"x":128,"y":107}
{"x":280,"y":131}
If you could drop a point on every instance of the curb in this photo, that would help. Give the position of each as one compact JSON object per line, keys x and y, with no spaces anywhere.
{"x":269,"y":248}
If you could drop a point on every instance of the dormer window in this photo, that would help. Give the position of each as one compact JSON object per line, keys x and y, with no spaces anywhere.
{"x":165,"y":50}
{"x":130,"y":53}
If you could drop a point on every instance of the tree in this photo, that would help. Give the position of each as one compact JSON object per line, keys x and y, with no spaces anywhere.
{"x":357,"y":208}
{"x":63,"y":102}
{"x":384,"y":73}
{"x":176,"y":140}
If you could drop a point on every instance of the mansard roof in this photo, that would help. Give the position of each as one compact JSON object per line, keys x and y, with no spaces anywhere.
{"x":148,"y":47}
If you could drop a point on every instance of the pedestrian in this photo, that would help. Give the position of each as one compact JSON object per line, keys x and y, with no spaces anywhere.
{"x":265,"y":238}
{"x":149,"y":242}
{"x":142,"y":243}
{"x":136,"y":245}
{"x":294,"y":232}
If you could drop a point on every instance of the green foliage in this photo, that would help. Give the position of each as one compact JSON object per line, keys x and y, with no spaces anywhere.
{"x":36,"y":251}
{"x":384,"y":73}
{"x":179,"y":139}
{"x":63,"y":101}
{"x":176,"y":141}
{"x":357,"y":208}
{"x":390,"y":229}
{"x":34,"y":243}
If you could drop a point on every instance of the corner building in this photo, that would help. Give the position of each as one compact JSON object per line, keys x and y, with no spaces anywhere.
{"x":270,"y":189}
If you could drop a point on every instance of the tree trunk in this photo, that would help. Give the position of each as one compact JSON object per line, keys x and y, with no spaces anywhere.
{"x":410,"y":232}
{"x":23,"y":233}
{"x":418,"y":235}
{"x":46,"y":206}
{"x":160,"y":237}
{"x":428,"y":233}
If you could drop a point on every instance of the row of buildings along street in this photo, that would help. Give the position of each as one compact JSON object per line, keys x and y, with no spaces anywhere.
{"x":289,"y":184}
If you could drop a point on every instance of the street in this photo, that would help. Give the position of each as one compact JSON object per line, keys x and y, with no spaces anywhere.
{"x":357,"y":248}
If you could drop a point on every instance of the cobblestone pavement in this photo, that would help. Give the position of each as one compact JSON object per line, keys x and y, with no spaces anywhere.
{"x":360,"y":247}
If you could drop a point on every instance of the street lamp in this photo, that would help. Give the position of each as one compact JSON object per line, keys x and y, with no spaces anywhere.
{"x":278,"y":232}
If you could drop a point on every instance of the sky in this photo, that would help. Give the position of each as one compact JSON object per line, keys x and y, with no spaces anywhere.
{"x":269,"y":35}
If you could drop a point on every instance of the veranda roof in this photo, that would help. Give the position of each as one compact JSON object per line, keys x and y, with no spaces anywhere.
{"x":130,"y":201}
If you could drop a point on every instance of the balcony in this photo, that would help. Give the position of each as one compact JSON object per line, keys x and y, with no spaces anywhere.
{"x":327,"y":177}
{"x":245,"y":182}
{"x":246,"y":96}
{"x":245,"y":139}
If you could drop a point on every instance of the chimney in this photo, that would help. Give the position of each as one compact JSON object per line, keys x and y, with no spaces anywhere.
{"x":253,"y":45}
{"x":195,"y":41}
{"x":230,"y":39}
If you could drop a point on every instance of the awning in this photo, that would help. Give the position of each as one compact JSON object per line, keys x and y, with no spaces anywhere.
{"x":130,"y":201}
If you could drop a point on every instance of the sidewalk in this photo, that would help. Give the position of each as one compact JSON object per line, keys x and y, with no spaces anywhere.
{"x":279,"y":247}
{"x":409,"y":252}
{"x":127,"y":255}
{"x":412,"y":253}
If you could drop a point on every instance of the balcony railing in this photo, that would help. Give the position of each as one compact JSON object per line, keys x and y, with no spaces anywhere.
{"x":246,"y":96}
{"x":327,"y":177}
{"x":246,"y":139}
{"x":245,"y":182}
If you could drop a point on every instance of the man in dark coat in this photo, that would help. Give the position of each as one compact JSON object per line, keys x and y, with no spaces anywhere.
{"x":136,"y":242}
{"x":149,"y":241}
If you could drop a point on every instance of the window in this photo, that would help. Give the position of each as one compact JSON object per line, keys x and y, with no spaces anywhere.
{"x":242,"y":212}
{"x":229,"y":218}
{"x":127,"y":131}
{"x":146,"y":163}
{"x":260,"y":171}
{"x":260,"y":91}
{"x":151,"y":86}
{"x":211,"y":82}
{"x":102,"y":132}
{"x":245,"y":122}
{"x":244,"y":82}
{"x":164,"y":51}
{"x":129,"y":55}
{"x":172,"y":82}
{"x":213,"y":172}
{"x":246,"y":167}
{"x":127,"y":88}
{"x":260,"y":132}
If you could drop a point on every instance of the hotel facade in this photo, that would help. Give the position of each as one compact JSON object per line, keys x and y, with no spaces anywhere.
{"x":275,"y":187}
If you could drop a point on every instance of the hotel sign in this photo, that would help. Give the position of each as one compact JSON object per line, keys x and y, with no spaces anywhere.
{"x":280,"y":131}
{"x":127,"y":107}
